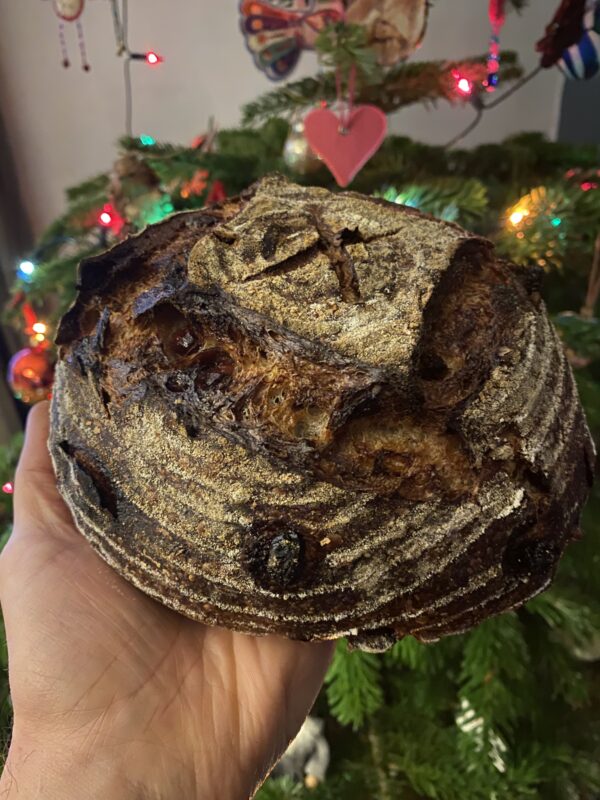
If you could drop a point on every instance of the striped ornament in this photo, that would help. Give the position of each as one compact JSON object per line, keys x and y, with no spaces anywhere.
{"x":582,"y":60}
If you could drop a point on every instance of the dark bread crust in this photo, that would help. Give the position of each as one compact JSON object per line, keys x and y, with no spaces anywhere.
{"x":317,"y":415}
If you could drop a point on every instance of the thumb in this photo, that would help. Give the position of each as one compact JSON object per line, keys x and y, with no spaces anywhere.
{"x":37,"y":503}
{"x":34,"y":471}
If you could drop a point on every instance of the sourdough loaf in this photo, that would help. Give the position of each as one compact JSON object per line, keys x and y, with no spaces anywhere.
{"x":319,"y":414}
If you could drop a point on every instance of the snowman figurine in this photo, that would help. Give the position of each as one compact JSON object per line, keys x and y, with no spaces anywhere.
{"x":307,"y":757}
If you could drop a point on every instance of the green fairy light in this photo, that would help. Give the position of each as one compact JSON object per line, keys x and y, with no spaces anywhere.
{"x":157,"y":211}
{"x":556,"y":221}
{"x":146,"y":140}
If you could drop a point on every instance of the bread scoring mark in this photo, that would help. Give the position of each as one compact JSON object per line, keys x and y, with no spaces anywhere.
{"x":333,"y":244}
{"x":92,"y":475}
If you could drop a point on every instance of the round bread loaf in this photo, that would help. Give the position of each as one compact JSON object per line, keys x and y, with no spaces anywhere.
{"x":319,"y":414}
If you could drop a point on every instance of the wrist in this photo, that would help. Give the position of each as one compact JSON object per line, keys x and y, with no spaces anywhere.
{"x":57,"y":767}
{"x":48,"y":770}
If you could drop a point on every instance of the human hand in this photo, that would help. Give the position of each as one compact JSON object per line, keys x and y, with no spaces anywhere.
{"x":116,"y":696}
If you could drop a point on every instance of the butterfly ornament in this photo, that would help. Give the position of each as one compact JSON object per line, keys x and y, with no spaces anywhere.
{"x":276,"y":31}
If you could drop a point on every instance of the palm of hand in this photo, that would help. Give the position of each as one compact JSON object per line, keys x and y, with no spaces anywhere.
{"x":122,"y":677}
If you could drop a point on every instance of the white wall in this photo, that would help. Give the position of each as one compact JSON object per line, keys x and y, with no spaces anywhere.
{"x":63,"y":123}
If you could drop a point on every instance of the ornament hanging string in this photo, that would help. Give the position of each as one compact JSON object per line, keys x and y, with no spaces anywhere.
{"x":119,"y":32}
{"x":346,"y":105}
{"x":63,"y":45}
{"x":82,"y":49}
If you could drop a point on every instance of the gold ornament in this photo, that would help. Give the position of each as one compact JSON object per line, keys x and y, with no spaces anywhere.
{"x":297,"y":153}
{"x":395,"y":27}
{"x":133,"y":185}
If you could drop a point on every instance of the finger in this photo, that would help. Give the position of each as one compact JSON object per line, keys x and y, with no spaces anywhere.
{"x":34,"y":469}
{"x":34,"y":455}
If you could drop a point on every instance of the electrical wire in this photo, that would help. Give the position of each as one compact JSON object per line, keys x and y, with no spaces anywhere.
{"x":515,"y":87}
{"x":128,"y":97}
{"x":471,"y":126}
{"x":127,"y":68}
{"x":486,"y":106}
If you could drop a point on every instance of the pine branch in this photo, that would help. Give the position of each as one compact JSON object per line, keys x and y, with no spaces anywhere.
{"x":408,"y":83}
{"x":544,"y":230}
{"x":93,"y":186}
{"x":280,"y":789}
{"x":57,"y":279}
{"x":495,"y":658}
{"x":353,"y":685}
{"x":452,"y":199}
{"x":565,"y":616}
{"x":344,"y":46}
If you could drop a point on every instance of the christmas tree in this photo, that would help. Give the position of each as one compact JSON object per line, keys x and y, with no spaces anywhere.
{"x":511,"y":709}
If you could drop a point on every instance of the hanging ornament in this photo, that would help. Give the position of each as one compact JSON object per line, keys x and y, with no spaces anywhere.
{"x":297,"y":153}
{"x":31,"y":373}
{"x":196,"y":185}
{"x":133,"y":184}
{"x":70,"y":11}
{"x":216,"y":193}
{"x":582,"y":60}
{"x":307,"y":758}
{"x":563,"y":31}
{"x":206,"y":142}
{"x":345,"y":140}
{"x":395,"y":27}
{"x":497,"y":16}
{"x":276,"y":31}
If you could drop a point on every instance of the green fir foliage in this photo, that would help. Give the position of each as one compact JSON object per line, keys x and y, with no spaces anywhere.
{"x":461,"y":200}
{"x":345,"y":47}
{"x":353,"y":685}
{"x":408,"y":83}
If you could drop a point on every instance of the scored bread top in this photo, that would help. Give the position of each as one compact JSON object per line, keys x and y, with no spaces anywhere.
{"x":319,"y":414}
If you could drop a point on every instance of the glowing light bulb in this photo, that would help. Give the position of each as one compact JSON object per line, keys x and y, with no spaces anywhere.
{"x":464,"y":86}
{"x":27,"y":267}
{"x":8,"y":487}
{"x":39,"y":327}
{"x":518,"y":216}
{"x":153,"y":58}
{"x":146,"y":140}
{"x":105,"y":218}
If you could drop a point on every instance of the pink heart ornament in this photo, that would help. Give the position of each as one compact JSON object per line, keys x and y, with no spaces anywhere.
{"x":345,"y":154}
